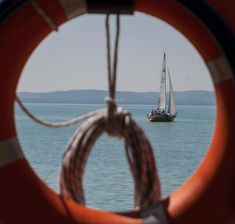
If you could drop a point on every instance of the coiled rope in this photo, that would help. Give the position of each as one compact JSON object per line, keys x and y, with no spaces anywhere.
{"x":116,"y":122}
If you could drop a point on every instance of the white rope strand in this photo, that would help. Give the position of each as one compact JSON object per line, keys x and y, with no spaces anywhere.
{"x":61,"y":124}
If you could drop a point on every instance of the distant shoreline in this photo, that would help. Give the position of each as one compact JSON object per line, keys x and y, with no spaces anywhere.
{"x":192,"y":97}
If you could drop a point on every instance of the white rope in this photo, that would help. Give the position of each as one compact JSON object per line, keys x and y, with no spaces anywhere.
{"x":117,"y":123}
{"x":61,"y":124}
{"x":139,"y":154}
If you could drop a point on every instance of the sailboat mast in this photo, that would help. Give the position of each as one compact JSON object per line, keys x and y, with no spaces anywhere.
{"x":164,"y":59}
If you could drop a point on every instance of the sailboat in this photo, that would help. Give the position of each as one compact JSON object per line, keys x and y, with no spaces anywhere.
{"x":164,"y":112}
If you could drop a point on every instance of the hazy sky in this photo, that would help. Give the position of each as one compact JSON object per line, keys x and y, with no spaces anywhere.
{"x":75,"y":57}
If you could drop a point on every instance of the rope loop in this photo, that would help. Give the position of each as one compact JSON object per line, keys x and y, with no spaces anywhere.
{"x":138,"y":151}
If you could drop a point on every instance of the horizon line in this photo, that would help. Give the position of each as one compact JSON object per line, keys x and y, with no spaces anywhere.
{"x":105,"y":90}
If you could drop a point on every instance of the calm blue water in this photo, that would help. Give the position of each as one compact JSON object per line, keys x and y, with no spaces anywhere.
{"x":178,"y":146}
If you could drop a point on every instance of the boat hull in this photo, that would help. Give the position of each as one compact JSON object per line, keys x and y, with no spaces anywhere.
{"x":161,"y":117}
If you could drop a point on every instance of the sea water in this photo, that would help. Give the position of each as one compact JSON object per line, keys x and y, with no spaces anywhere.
{"x":178,"y":147}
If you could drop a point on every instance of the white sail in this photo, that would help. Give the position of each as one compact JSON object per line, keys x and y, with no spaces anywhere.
{"x":162,"y":97}
{"x":171,"y":106}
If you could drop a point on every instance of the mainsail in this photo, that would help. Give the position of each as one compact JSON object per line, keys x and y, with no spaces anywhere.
{"x":171,"y":106}
{"x":162,"y":97}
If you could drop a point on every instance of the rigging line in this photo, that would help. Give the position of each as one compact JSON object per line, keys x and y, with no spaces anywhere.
{"x":44,"y":15}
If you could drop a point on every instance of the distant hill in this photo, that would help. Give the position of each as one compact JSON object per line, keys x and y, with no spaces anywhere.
{"x":195,"y":97}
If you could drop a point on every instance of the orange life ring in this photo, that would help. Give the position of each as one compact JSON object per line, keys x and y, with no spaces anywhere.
{"x":207,"y":197}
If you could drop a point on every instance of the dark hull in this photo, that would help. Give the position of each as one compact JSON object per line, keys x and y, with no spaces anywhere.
{"x":161,"y":117}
